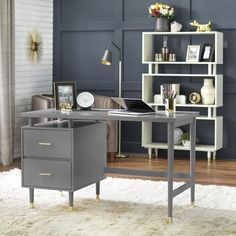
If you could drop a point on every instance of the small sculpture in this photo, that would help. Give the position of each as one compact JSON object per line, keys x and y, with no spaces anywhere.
{"x":201,"y":27}
{"x":175,"y":26}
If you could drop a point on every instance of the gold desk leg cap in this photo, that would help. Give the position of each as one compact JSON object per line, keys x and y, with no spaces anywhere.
{"x":119,"y":155}
{"x":169,"y":220}
{"x":98,"y":197}
{"x":71,"y":208}
{"x":193,"y":204}
{"x":31,"y":206}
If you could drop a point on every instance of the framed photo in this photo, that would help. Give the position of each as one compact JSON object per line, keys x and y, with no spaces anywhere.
{"x":65,"y":95}
{"x":207,"y":52}
{"x":193,"y":53}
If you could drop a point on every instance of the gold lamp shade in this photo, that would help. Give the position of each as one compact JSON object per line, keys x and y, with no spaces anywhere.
{"x":107,"y":58}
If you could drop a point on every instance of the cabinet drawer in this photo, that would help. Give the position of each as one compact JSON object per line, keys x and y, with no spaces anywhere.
{"x":47,"y":143}
{"x":47,"y":174}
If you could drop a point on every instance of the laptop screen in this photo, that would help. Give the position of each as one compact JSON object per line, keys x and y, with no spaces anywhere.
{"x":137,"y":105}
{"x":133,"y":104}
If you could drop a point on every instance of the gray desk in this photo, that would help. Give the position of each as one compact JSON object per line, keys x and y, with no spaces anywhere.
{"x":171,"y":120}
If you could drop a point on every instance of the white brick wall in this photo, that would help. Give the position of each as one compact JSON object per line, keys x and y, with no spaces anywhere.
{"x":31,"y":79}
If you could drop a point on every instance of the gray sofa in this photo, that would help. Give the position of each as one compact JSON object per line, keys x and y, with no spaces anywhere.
{"x":41,"y":102}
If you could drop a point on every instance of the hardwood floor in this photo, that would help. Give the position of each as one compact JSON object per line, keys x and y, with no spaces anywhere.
{"x":15,"y":164}
{"x":220,"y":172}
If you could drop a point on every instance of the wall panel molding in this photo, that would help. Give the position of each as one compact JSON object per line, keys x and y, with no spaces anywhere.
{"x":130,"y":18}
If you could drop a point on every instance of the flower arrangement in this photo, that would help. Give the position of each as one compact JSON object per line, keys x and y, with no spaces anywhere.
{"x":161,"y":10}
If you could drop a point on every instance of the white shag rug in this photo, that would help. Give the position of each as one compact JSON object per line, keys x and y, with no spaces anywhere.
{"x":127,"y":208}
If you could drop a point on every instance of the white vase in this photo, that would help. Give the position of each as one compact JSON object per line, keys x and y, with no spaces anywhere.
{"x":208,"y":92}
{"x":178,"y":133}
{"x":186,"y":143}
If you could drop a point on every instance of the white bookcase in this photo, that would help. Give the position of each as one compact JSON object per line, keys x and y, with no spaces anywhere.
{"x":148,"y":52}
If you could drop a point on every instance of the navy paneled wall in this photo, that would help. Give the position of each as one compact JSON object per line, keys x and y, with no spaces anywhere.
{"x":83,"y":29}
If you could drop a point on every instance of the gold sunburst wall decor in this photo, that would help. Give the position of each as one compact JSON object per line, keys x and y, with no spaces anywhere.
{"x":34,"y":46}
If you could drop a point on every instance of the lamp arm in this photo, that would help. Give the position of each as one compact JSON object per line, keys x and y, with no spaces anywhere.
{"x":116,"y":46}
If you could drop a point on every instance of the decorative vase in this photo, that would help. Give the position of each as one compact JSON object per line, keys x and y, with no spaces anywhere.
{"x":162,"y":24}
{"x":186,"y":143}
{"x":178,"y":133}
{"x":208,"y":92}
{"x":175,"y":26}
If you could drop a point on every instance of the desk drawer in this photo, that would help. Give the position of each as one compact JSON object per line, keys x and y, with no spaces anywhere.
{"x":47,"y":174}
{"x":47,"y":143}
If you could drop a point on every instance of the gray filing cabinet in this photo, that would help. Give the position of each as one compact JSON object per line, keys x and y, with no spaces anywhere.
{"x":57,"y":157}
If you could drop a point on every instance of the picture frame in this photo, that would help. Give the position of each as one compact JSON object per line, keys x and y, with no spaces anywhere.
{"x":207,"y":52}
{"x":193,"y":53}
{"x":65,"y":95}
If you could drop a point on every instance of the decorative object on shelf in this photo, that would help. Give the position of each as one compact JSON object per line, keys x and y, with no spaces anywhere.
{"x":170,"y":98}
{"x":181,"y":99}
{"x":175,"y":26}
{"x":201,"y":27}
{"x":165,"y":55}
{"x":165,"y":49}
{"x":193,"y":53}
{"x":162,"y":24}
{"x":158,"y":57}
{"x":172,"y":57}
{"x":208,"y":92}
{"x":170,"y":105}
{"x":163,"y":13}
{"x":158,"y":99}
{"x":169,"y":88}
{"x":34,"y":46}
{"x":194,"y":98}
{"x":65,"y":95}
{"x":107,"y":60}
{"x":186,"y":139}
{"x":178,"y":133}
{"x":207,"y":52}
{"x":175,"y":88}
{"x":85,"y":100}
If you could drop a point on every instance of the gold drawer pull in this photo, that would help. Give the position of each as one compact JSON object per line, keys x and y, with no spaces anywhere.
{"x":45,"y":174}
{"x":45,"y":144}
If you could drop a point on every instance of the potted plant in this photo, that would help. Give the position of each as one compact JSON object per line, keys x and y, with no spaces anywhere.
{"x":163,"y":13}
{"x":186,"y":139}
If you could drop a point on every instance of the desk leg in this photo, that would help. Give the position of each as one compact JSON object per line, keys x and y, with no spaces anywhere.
{"x":98,"y":191}
{"x":71,"y":200}
{"x":31,"y":197}
{"x":170,"y":170}
{"x":192,"y":158}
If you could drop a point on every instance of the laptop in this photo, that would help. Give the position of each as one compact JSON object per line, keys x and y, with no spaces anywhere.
{"x":131,"y":106}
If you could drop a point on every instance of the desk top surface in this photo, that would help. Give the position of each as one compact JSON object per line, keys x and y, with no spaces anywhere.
{"x":102,"y":114}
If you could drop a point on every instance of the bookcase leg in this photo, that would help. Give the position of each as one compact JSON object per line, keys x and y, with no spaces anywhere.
{"x":214,"y":156}
{"x":150,"y":153}
{"x":156,"y":152}
{"x":209,"y":156}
